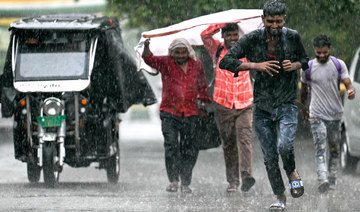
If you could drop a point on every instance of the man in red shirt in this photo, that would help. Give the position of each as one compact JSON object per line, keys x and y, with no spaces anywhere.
{"x":184,"y":82}
{"x":233,"y":97}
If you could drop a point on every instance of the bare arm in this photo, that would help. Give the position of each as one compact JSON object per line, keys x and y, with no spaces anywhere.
{"x":349,"y":88}
{"x":207,"y":37}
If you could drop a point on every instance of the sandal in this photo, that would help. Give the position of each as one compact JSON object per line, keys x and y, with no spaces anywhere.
{"x":186,"y":189}
{"x":231,"y":188}
{"x":279,"y":206}
{"x":296,"y":185}
{"x":173,"y":187}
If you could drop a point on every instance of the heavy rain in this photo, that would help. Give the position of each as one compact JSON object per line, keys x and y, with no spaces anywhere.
{"x":97,"y":141}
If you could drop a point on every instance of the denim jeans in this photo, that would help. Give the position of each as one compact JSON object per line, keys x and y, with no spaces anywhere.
{"x":181,"y":151}
{"x":276,"y":132}
{"x":326,"y":133}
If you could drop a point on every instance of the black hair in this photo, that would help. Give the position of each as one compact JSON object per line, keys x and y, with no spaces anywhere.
{"x":322,"y":40}
{"x":230,"y":27}
{"x":274,"y":7}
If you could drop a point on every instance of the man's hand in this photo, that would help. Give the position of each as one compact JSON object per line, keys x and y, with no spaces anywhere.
{"x":305,"y":114}
{"x":147,"y":43}
{"x":289,"y":66}
{"x":303,"y":110}
{"x":214,"y":28}
{"x":146,"y":52}
{"x":269,"y":67}
{"x":351,"y":93}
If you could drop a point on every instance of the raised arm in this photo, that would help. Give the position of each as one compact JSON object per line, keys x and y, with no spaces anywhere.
{"x":207,"y":37}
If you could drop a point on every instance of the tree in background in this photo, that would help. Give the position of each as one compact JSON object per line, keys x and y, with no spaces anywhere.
{"x":337,"y":18}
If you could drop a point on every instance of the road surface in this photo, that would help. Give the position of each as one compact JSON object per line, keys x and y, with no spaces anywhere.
{"x":143,"y":181}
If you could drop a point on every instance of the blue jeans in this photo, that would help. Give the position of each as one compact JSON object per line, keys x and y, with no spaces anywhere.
{"x":326,"y":133}
{"x":181,"y":151}
{"x":276,"y":132}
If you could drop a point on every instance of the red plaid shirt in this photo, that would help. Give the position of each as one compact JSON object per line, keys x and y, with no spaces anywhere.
{"x":180,"y":91}
{"x":229,"y":91}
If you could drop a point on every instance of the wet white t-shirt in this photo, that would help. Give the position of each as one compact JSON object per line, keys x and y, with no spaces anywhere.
{"x":325,"y":96}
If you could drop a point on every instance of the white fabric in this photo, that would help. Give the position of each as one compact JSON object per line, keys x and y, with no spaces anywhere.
{"x":248,"y":20}
{"x":181,"y":42}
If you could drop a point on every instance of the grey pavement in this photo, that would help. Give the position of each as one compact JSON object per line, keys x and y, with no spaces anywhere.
{"x":143,"y":181}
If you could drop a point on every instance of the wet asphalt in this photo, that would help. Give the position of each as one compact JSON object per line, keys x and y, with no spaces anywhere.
{"x":143,"y":181}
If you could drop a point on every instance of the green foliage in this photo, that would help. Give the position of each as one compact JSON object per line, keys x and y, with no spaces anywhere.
{"x":337,"y":18}
{"x":161,"y":13}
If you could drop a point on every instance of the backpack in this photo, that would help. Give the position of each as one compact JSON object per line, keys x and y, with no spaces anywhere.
{"x":217,"y":54}
{"x":337,"y":65}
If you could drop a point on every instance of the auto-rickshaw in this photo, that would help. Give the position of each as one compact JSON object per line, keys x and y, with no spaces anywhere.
{"x":66,"y":80}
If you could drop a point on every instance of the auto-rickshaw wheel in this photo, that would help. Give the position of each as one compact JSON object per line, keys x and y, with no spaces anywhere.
{"x":113,"y":165}
{"x":50,"y":164}
{"x":33,"y":172}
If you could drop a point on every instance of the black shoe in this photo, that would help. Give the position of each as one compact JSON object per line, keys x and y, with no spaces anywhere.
{"x":247,"y":183}
{"x":323,"y":186}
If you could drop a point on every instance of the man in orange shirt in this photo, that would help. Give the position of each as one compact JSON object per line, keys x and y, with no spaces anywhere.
{"x":233,"y":97}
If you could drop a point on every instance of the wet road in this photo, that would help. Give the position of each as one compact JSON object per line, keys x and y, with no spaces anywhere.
{"x":143,"y":181}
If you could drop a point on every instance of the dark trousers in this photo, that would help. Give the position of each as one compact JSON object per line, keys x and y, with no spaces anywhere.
{"x":181,"y":151}
{"x":276,"y":133}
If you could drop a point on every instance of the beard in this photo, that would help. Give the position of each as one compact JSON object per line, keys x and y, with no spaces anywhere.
{"x":322,"y":59}
{"x":274,"y":31}
{"x":181,"y":60}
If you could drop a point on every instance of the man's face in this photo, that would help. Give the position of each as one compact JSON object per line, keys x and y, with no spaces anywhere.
{"x":230,"y":38}
{"x":181,"y":55}
{"x":274,"y":24}
{"x":322,"y":53}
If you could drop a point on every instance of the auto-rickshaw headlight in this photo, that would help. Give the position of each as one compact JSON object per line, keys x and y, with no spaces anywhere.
{"x":53,"y":106}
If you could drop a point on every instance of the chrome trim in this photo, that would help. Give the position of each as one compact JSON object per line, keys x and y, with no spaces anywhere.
{"x":13,"y":54}
{"x":92,"y":52}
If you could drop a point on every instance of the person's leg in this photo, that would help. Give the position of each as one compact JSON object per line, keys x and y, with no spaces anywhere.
{"x":188,"y":150}
{"x":226,"y":123}
{"x":287,"y":116}
{"x":244,"y":123}
{"x":265,"y":129}
{"x":334,"y":136}
{"x":319,"y":132}
{"x":169,"y":127}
